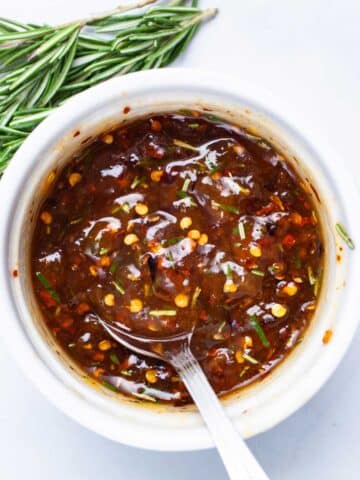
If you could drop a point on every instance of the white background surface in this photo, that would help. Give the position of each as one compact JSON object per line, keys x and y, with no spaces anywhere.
{"x":307,"y":52}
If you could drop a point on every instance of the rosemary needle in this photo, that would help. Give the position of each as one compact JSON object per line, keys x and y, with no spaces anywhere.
{"x":41,"y":66}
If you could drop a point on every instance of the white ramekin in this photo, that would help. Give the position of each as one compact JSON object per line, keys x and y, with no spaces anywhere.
{"x":256,"y":408}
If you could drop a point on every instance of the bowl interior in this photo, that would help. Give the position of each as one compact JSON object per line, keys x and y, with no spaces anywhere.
{"x":255,"y":408}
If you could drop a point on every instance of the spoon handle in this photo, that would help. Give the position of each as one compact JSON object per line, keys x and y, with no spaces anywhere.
{"x":238,"y":460}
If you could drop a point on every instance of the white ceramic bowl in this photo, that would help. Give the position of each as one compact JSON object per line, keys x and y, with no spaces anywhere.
{"x":256,"y":408}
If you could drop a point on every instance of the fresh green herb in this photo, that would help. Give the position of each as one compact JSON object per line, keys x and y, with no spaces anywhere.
{"x":213,"y":118}
{"x":259,"y":330}
{"x":71,"y":345}
{"x":274,"y":269}
{"x":228,"y":271}
{"x":137,"y":181}
{"x":109,"y":385}
{"x":144,"y":396}
{"x":42,"y":66}
{"x":180,"y":143}
{"x":114,"y":266}
{"x":103,"y":251}
{"x":249,"y":358}
{"x":114,"y":358}
{"x":170,"y":258}
{"x":182,"y":194}
{"x":237,"y":244}
{"x":163,"y":313}
{"x":47,"y":285}
{"x":259,"y":273}
{"x":186,"y":112}
{"x":124,"y":207}
{"x":171,"y":241}
{"x":118,"y":286}
{"x":193,"y":125}
{"x":345,"y":236}
{"x":126,"y":373}
{"x":227,"y":208}
{"x":214,"y":169}
{"x":195,"y":296}
{"x":185,"y":195}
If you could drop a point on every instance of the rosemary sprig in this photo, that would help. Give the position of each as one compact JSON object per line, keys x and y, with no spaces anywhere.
{"x":41,"y":66}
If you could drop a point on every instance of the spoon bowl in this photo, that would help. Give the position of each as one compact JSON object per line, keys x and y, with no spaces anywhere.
{"x":236,"y":456}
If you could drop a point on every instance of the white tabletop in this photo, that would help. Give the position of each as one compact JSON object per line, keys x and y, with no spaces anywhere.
{"x":307,"y":52}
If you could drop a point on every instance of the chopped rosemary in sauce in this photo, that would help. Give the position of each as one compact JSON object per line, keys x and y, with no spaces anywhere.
{"x":257,"y":272}
{"x":47,"y":285}
{"x":114,"y":358}
{"x":259,"y":330}
{"x":110,"y":386}
{"x":137,"y":181}
{"x":117,"y":284}
{"x":227,"y":208}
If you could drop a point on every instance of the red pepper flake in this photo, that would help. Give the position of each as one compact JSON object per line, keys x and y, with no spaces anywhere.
{"x":67,"y":322}
{"x":155,"y":125}
{"x":327,"y":337}
{"x":76,"y":134}
{"x":47,"y":299}
{"x":15,"y":273}
{"x":126,"y":110}
{"x":82,"y":308}
{"x":289,"y":240}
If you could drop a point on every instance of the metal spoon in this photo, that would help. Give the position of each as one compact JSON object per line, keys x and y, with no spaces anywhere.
{"x":238,"y":460}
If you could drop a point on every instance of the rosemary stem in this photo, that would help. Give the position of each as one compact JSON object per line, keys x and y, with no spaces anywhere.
{"x":108,"y":13}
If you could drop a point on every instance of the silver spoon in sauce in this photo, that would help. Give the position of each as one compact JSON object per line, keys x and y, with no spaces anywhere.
{"x":238,"y":460}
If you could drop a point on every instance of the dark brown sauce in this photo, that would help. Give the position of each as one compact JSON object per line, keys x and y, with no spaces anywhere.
{"x":172,"y":220}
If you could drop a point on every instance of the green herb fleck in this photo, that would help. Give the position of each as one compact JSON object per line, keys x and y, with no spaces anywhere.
{"x":114,"y":358}
{"x":259,"y":273}
{"x":345,"y":236}
{"x":109,"y":385}
{"x":104,"y":251}
{"x":137,"y":181}
{"x":114,"y":266}
{"x":259,"y":330}
{"x":47,"y":285}
{"x":227,"y":208}
{"x":118,"y":286}
{"x":171,"y":241}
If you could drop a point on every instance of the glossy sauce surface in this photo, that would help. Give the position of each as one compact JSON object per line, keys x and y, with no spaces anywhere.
{"x":173,"y":221}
